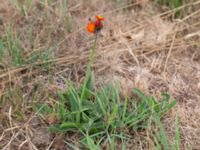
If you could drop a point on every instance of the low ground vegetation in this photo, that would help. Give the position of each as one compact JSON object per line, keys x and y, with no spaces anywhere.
{"x":141,"y":90}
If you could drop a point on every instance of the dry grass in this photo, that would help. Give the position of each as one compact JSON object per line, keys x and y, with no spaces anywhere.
{"x":140,"y":46}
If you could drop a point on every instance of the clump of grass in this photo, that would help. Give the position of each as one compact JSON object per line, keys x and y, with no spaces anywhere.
{"x":161,"y":139}
{"x":16,"y":55}
{"x":66,"y":15}
{"x":12,"y":43}
{"x":118,"y":2}
{"x":171,"y":3}
{"x":102,"y":115}
{"x":23,"y":6}
{"x":13,"y":99}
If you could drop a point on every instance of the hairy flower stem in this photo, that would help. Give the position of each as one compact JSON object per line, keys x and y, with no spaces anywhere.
{"x":92,"y":55}
{"x":92,"y":52}
{"x":90,"y":63}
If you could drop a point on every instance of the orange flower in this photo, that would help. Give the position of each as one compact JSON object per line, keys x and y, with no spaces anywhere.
{"x":100,"y":18}
{"x":91,"y":27}
{"x":94,"y":27}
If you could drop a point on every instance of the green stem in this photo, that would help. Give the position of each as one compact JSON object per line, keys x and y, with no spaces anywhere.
{"x":92,"y":52}
{"x":89,"y":66}
{"x":91,"y":57}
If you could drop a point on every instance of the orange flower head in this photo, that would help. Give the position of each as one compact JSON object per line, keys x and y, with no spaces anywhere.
{"x":91,"y":27}
{"x":100,"y":18}
{"x":96,"y":26}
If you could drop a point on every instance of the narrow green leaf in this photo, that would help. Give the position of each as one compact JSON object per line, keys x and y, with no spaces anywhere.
{"x":161,"y":135}
{"x":68,"y":125}
{"x":169,"y":106}
{"x":177,"y":136}
{"x":87,"y":86}
{"x":1,"y":49}
{"x":113,"y":115}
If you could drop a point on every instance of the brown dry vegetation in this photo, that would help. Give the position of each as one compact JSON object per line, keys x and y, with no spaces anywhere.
{"x":141,"y":45}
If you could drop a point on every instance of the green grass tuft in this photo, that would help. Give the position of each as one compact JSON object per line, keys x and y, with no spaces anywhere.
{"x":11,"y":47}
{"x":171,"y":3}
{"x":12,"y":43}
{"x":102,"y":115}
{"x":23,"y":6}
